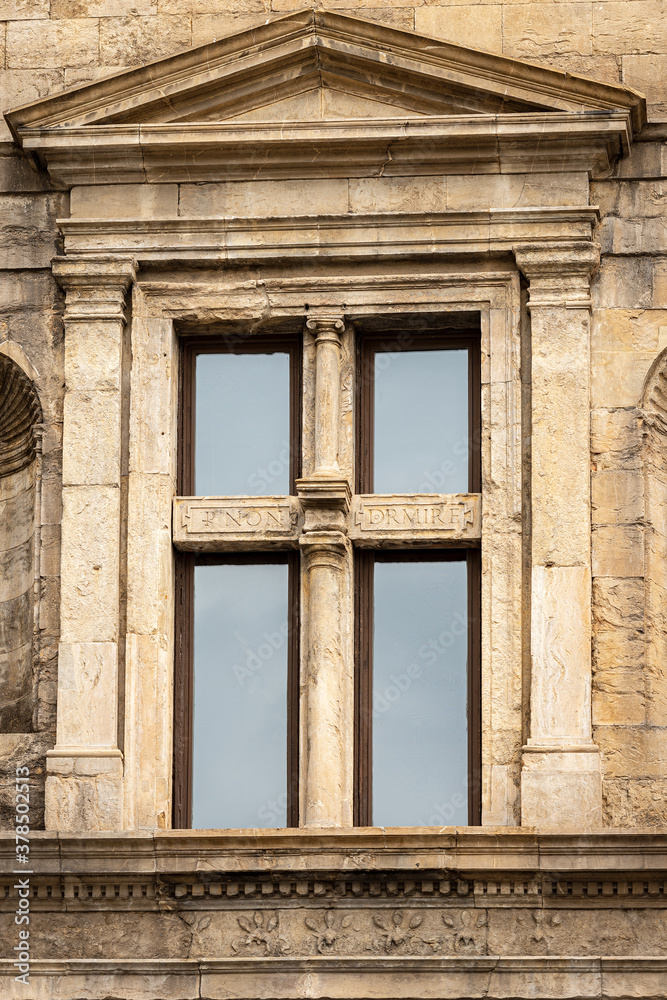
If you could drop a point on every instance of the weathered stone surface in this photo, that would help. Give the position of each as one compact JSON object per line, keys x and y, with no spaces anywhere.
{"x":47,"y":44}
{"x":624,"y":283}
{"x":23,"y":750}
{"x":635,"y":802}
{"x":17,"y":174}
{"x":644,"y":159}
{"x":618,"y":603}
{"x":208,"y":27}
{"x":635,"y":330}
{"x":19,"y":10}
{"x":632,"y":751}
{"x":660,"y":284}
{"x":531,"y":30}
{"x":552,"y":931}
{"x":90,"y":564}
{"x":617,"y":497}
{"x":264,"y":198}
{"x":627,"y":199}
{"x":256,"y":7}
{"x":618,"y":27}
{"x":479,"y":26}
{"x":101,"y":8}
{"x":618,"y":551}
{"x":28,"y":233}
{"x":648,"y":74}
{"x":131,"y":40}
{"x":615,"y":438}
{"x":138,"y":201}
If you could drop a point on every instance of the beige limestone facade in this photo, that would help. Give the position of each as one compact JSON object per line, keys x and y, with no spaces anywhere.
{"x":172,"y":168}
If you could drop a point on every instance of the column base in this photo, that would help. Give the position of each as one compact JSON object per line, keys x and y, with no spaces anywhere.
{"x":561,"y":787}
{"x":84,"y":790}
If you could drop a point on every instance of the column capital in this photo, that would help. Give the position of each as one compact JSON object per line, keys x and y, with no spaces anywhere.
{"x":326,"y":545}
{"x":326,"y":326}
{"x":95,"y":287}
{"x":559,"y":273}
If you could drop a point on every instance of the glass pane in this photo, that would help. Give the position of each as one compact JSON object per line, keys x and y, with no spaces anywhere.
{"x":420,"y":744}
{"x":242,"y":424}
{"x":421,"y":422}
{"x":240,"y":696}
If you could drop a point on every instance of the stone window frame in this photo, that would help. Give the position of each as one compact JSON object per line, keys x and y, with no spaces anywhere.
{"x":496,"y":297}
{"x":109,"y":772}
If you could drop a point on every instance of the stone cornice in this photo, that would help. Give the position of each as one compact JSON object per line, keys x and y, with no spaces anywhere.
{"x":263,"y":852}
{"x":195,"y":152}
{"x":217,"y":240}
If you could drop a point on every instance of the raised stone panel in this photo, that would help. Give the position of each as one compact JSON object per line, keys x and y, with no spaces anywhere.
{"x":119,"y":201}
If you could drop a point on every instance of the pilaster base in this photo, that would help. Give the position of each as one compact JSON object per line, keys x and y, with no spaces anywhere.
{"x":561,"y":788}
{"x":84,"y":791}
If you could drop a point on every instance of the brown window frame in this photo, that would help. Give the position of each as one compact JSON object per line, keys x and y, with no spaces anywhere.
{"x":367,"y":346}
{"x":192,"y":346}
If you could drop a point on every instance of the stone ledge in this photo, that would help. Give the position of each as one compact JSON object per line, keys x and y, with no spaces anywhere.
{"x":492,"y":850}
{"x":486,"y":976}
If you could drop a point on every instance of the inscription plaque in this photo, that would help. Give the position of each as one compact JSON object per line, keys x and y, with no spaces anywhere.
{"x":211,"y":521}
{"x":446,"y":517}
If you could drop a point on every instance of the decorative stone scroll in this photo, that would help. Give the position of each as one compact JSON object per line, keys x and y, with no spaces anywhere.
{"x":400,"y":519}
{"x":209,"y":522}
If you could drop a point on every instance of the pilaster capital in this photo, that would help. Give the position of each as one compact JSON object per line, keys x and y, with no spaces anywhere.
{"x":559,"y":273}
{"x":326,"y":327}
{"x":95,"y":288}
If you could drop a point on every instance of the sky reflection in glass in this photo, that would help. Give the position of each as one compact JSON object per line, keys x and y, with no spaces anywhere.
{"x":421,"y":422}
{"x":240,"y":696}
{"x":420,"y":768}
{"x":242,"y":425}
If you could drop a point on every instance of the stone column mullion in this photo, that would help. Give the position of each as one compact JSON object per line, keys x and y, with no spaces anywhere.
{"x":561,"y":778}
{"x":327,"y":331}
{"x":327,"y":674}
{"x":84,"y":783}
{"x":325,"y":729}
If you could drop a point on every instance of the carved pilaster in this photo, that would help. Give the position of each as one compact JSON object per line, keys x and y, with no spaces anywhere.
{"x":561,"y":779}
{"x":328,"y":691}
{"x":84,"y":783}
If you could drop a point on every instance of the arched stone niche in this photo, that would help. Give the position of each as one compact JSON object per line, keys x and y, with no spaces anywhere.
{"x":20,"y":480}
{"x":654,"y":407}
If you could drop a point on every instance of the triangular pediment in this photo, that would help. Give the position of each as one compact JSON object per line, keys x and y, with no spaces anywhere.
{"x":319,"y":65}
